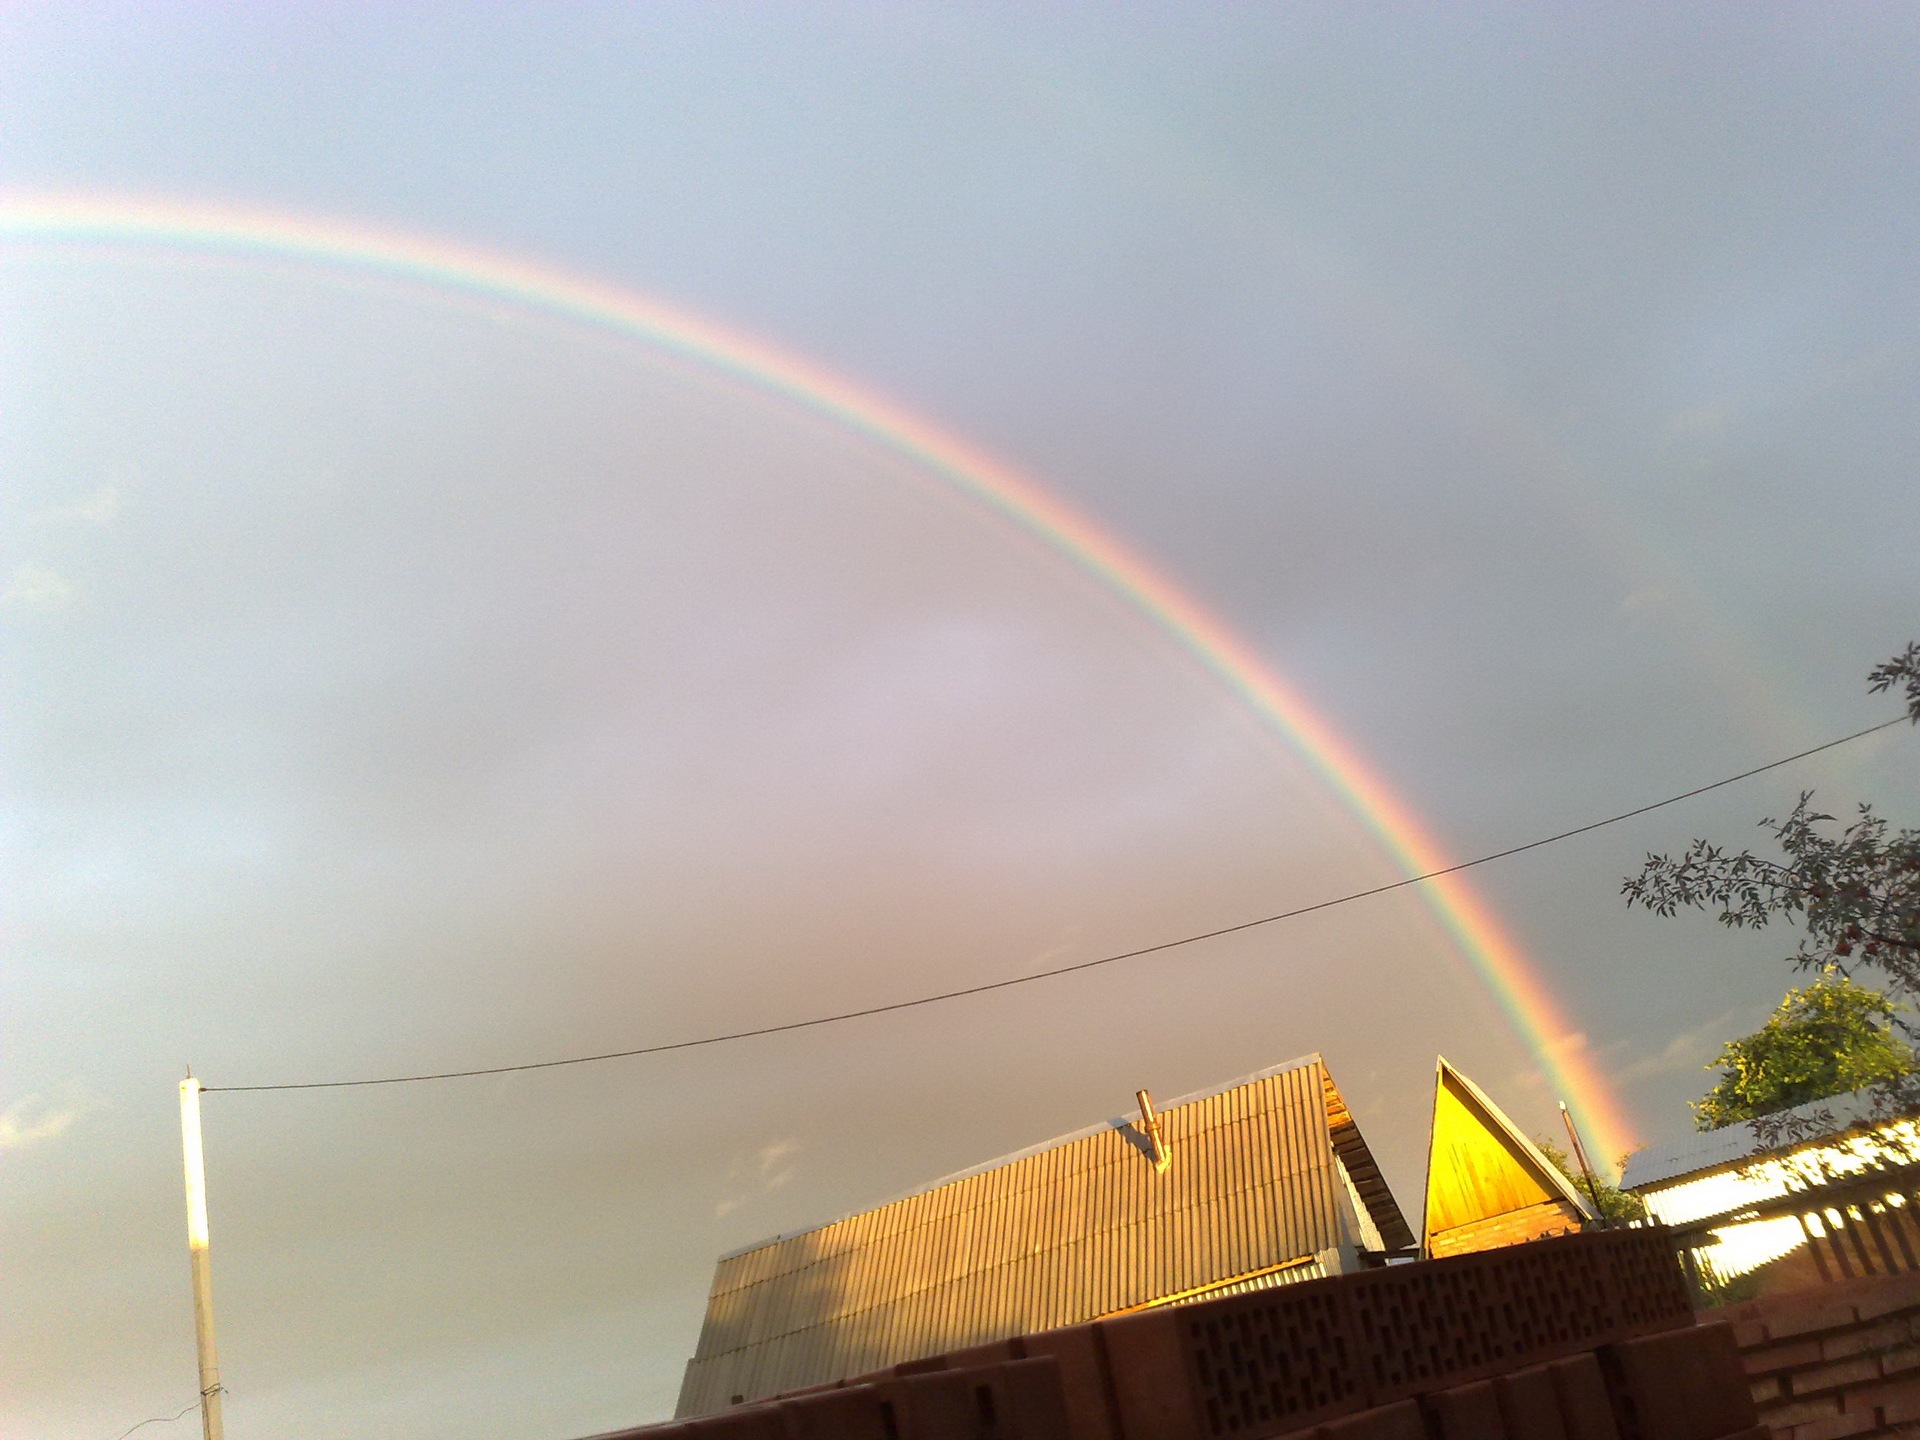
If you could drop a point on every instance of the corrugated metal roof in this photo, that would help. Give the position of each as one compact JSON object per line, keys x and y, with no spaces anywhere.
{"x":1060,"y":1233}
{"x":1713,"y":1149}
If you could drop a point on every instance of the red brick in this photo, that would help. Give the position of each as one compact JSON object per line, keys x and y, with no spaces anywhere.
{"x":1836,"y":1427}
{"x":1401,"y":1421}
{"x":1717,"y":1354}
{"x":927,"y":1365}
{"x":1272,"y":1361}
{"x":1897,"y":1400}
{"x":1529,"y":1406}
{"x":1686,"y":1384}
{"x":1750,"y":1333}
{"x":1808,"y":1318}
{"x":1800,"y":1412}
{"x":1585,"y":1407}
{"x":850,"y":1414}
{"x":1014,"y":1400}
{"x":1151,"y":1390}
{"x":1766,"y":1391}
{"x":1860,"y":1370}
{"x":1466,"y":1412}
{"x":1888,"y":1296}
{"x":1868,"y":1341}
{"x":1084,"y":1385}
{"x":1033,"y":1397}
{"x":1899,"y":1359}
{"x":1775,"y":1358}
{"x":749,"y":1422}
{"x":825,"y":1385}
{"x":931,"y":1405}
{"x":1738,"y":1312}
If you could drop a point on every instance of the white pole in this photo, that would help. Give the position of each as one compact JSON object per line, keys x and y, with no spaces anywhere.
{"x":210,"y":1425}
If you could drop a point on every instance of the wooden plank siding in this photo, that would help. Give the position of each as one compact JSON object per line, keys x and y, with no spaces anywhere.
{"x":1057,"y":1235}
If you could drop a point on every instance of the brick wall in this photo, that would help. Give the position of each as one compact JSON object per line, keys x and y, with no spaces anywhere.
{"x":1833,"y":1361}
{"x":1516,"y":1227}
{"x":1584,"y":1337}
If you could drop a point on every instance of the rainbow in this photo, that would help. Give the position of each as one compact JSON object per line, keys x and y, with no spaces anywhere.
{"x":66,"y":221}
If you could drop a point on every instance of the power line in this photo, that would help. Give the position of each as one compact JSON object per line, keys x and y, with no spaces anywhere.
{"x":158,"y":1420}
{"x":1028,"y":979}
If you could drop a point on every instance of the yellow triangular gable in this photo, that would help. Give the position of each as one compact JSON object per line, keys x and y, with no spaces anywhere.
{"x":1479,"y":1165}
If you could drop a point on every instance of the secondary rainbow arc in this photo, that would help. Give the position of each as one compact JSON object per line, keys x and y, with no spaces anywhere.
{"x":1520,"y":992}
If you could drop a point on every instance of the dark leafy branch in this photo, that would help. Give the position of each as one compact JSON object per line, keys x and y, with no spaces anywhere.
{"x":1853,"y":892}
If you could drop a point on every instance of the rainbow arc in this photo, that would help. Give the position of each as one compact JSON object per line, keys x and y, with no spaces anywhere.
{"x":1515,"y":984}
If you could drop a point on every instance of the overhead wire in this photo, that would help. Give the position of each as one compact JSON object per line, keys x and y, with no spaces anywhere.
{"x":159,"y":1420}
{"x":987,"y":987}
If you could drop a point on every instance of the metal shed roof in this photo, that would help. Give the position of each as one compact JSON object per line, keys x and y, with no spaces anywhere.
{"x":1268,"y":1173}
{"x":1692,"y":1155}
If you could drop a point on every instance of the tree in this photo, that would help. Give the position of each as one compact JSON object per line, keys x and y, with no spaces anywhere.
{"x":1615,"y":1203}
{"x":1854,"y":895}
{"x":1819,"y":1042}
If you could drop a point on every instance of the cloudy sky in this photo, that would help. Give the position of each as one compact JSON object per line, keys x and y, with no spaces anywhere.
{"x":395,"y":680}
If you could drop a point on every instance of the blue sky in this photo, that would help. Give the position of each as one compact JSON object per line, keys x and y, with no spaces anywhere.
{"x":395,"y":682}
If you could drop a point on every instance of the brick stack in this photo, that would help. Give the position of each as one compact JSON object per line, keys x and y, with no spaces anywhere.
{"x":1583,"y":1337}
{"x":1836,"y":1360}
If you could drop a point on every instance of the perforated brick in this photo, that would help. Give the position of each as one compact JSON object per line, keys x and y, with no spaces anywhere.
{"x":1272,"y":1361}
{"x":1424,"y":1327}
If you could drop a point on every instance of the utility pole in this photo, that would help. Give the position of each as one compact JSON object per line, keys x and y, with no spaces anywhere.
{"x":210,"y":1426}
{"x":1580,"y":1154}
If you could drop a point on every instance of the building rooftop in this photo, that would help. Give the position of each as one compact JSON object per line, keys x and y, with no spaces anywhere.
{"x":1696,"y":1154}
{"x":1268,"y":1180}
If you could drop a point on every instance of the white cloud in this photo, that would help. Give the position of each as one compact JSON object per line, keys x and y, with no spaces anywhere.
{"x":37,"y":587}
{"x":774,"y":1171}
{"x":27,"y":1122}
{"x":758,"y":1172}
{"x":1692,"y":1050}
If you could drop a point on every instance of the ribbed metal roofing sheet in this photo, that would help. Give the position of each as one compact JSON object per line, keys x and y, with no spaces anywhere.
{"x":1053,"y":1235}
{"x":1712,"y":1149}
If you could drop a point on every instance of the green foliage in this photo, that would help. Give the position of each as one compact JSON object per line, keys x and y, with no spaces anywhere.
{"x":1821,"y":1041}
{"x":1855,"y":896}
{"x":1615,"y":1203}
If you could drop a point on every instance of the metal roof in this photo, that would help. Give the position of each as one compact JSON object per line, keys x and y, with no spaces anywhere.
{"x":1268,"y":1173}
{"x":1659,"y":1165}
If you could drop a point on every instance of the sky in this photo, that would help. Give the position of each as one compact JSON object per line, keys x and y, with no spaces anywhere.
{"x":398,"y":678}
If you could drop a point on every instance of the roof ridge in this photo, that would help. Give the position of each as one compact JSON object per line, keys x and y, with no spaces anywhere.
{"x":1119,"y":1122}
